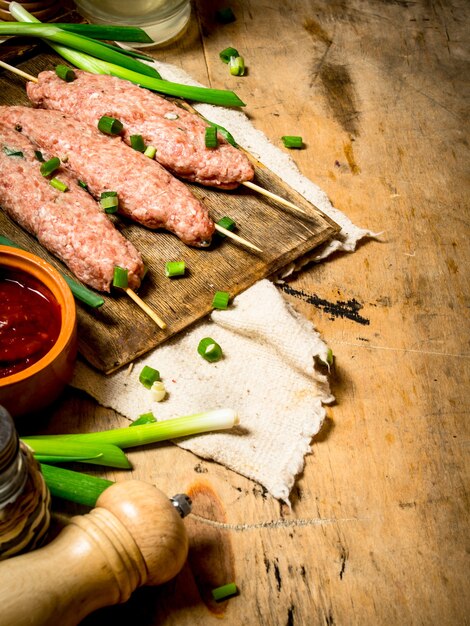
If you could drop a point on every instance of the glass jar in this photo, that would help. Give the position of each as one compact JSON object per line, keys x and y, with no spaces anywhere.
{"x":162,"y":20}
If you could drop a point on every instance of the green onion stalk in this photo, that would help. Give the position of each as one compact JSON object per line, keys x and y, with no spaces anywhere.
{"x":74,"y":486}
{"x":85,"y":58}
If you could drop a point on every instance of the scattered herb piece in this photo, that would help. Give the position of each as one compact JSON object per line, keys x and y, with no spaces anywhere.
{"x":292,"y":141}
{"x":120,"y":277}
{"x":12,"y":152}
{"x":137,"y":143}
{"x":109,"y":201}
{"x":65,"y":73}
{"x":237,"y":66}
{"x":39,"y":157}
{"x":148,"y":376}
{"x":59,"y":185}
{"x":82,"y":184}
{"x":221,"y":300}
{"x":158,"y":391}
{"x":110,"y":125}
{"x":209,"y":350}
{"x":50,"y":166}
{"x":175,"y":268}
{"x":226,"y":591}
{"x":150,"y":152}
{"x":227,"y":53}
{"x":228,"y":223}
{"x":210,"y":138}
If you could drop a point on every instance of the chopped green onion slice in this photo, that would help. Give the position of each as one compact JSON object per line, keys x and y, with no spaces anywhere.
{"x":220,"y":300}
{"x":58,"y":184}
{"x":150,"y":152}
{"x":110,"y":125}
{"x":12,"y":152}
{"x":237,"y":66}
{"x":50,"y":166}
{"x":292,"y":141}
{"x":65,"y":73}
{"x":148,"y":376}
{"x":109,"y":201}
{"x":175,"y":268}
{"x":120,"y":277}
{"x":228,"y":223}
{"x":226,"y":591}
{"x":82,"y":184}
{"x":225,"y":15}
{"x":39,"y":157}
{"x":145,"y":418}
{"x":209,"y":350}
{"x":137,"y":143}
{"x":211,"y":137}
{"x":227,"y":53}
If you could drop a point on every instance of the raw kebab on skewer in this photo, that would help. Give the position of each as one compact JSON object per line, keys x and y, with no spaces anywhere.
{"x":147,"y":193}
{"x":70,"y":225}
{"x":177,"y":135}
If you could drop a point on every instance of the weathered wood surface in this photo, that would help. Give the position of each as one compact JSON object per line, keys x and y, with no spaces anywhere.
{"x":118,"y":332}
{"x":377,"y":90}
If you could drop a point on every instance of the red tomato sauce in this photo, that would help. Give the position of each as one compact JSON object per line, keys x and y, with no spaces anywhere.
{"x":30,"y":321}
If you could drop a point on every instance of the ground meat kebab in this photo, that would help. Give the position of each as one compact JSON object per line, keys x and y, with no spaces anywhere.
{"x":70,"y":225}
{"x":178,"y":135}
{"x":148,"y":194}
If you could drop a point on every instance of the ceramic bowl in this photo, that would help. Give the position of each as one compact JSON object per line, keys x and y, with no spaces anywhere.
{"x":37,"y":386}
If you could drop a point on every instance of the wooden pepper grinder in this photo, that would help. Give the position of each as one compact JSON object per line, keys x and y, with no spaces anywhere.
{"x":133,"y":537}
{"x":24,"y":497}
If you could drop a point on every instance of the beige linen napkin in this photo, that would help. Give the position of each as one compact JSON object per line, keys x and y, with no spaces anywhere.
{"x":267,"y":374}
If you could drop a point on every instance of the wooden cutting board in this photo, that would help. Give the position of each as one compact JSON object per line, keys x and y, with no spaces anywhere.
{"x":118,"y":332}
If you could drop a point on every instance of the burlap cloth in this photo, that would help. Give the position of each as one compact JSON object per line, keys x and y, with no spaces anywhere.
{"x":268,"y":372}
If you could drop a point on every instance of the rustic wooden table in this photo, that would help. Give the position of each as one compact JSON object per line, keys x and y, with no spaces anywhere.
{"x":376,"y":89}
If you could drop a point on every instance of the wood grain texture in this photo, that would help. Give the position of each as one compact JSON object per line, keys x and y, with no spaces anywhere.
{"x":378,"y":91}
{"x":117,"y":333}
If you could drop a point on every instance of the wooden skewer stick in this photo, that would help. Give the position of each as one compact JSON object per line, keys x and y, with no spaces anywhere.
{"x":16,"y":70}
{"x":227,"y":233}
{"x":145,"y":308}
{"x":273,"y":196}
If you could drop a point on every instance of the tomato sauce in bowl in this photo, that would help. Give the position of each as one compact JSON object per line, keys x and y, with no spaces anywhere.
{"x":30,"y":321}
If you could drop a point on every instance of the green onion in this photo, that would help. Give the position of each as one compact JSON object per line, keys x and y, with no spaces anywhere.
{"x":110,"y":125}
{"x":220,"y":300}
{"x":209,"y":350}
{"x":292,"y":141}
{"x":65,"y":73}
{"x":111,"y":33}
{"x":120,"y":277}
{"x":58,"y":184}
{"x":225,"y":15}
{"x":210,"y":138}
{"x":150,"y":152}
{"x":79,"y":291}
{"x":217,"y":419}
{"x":224,"y":132}
{"x":137,"y":143}
{"x":227,"y":223}
{"x":12,"y":152}
{"x":101,"y":454}
{"x":237,"y":66}
{"x":226,"y":54}
{"x":148,"y":376}
{"x":109,"y":201}
{"x":145,"y":418}
{"x":74,"y":486}
{"x":82,"y":185}
{"x":226,"y":591}
{"x":175,"y":268}
{"x":39,"y":156}
{"x":50,"y":166}
{"x":95,"y":66}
